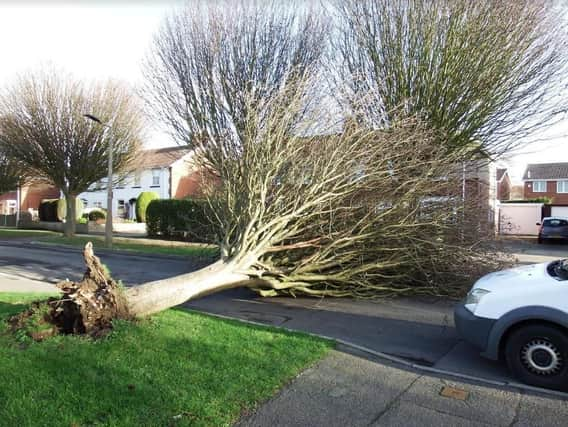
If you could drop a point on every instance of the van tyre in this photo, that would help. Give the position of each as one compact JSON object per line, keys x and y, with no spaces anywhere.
{"x":538,"y":355}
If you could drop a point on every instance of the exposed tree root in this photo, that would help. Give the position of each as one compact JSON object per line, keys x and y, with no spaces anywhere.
{"x":87,"y":307}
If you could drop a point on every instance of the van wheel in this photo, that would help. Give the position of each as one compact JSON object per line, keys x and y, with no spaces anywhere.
{"x":540,"y":240}
{"x":538,"y":355}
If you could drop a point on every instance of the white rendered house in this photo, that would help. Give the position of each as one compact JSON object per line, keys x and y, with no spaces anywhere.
{"x":165,"y":171}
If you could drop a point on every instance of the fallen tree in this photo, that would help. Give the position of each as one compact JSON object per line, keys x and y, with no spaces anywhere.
{"x":357,"y":212}
{"x":302,"y":204}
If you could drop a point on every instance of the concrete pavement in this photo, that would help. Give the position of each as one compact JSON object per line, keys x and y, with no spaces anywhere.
{"x":350,"y":389}
{"x":15,"y":283}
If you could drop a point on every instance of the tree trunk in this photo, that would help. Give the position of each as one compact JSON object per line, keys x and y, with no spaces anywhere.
{"x":162,"y":294}
{"x":90,"y":306}
{"x":71,"y":215}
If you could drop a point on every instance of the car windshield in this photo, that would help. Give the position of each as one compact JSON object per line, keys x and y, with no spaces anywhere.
{"x":559,"y":269}
{"x":555,"y":222}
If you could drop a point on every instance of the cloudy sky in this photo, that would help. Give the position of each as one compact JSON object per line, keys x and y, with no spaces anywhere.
{"x":100,"y":39}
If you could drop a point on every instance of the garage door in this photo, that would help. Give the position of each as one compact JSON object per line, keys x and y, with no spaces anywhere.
{"x":559,"y":211}
{"x":519,"y":218}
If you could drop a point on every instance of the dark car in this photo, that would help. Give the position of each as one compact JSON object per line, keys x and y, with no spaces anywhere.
{"x":553,"y":228}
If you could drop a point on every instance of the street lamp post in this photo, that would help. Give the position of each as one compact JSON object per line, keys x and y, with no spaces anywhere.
{"x":108,"y":224}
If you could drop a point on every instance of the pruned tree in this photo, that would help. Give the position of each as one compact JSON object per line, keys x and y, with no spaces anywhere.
{"x":209,"y":57}
{"x":42,"y":126}
{"x":485,"y":73}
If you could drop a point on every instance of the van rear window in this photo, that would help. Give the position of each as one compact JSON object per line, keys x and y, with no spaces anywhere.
{"x":555,"y":223}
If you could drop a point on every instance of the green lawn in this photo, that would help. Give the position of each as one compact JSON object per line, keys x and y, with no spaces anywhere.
{"x":161,"y":247}
{"x":14,"y":233}
{"x":177,"y":368}
{"x":131,"y":245}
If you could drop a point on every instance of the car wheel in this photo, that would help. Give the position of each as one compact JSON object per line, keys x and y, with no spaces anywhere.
{"x":540,"y":240}
{"x":538,"y":355}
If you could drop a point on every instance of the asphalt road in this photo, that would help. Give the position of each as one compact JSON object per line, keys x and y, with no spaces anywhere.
{"x":421,"y":331}
{"x":48,"y":263}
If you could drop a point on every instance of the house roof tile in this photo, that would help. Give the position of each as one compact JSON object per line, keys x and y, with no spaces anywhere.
{"x":501,"y":173}
{"x":546,"y":171}
{"x":161,"y":157}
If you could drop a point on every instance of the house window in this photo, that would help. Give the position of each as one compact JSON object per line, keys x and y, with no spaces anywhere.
{"x":562,"y":187}
{"x":85,"y":203}
{"x":137,"y":179}
{"x":98,"y":204}
{"x":155,"y":177}
{"x":539,"y":187}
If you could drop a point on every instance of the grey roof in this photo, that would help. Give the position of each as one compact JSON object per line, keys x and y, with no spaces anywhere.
{"x":501,"y":173}
{"x":546,"y":171}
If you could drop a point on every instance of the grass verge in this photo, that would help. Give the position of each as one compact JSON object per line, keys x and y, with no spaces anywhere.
{"x":174,"y":369}
{"x":14,"y":233}
{"x":198,"y":251}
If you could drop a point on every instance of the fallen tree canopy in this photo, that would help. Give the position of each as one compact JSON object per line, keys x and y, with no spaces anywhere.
{"x":360,"y":213}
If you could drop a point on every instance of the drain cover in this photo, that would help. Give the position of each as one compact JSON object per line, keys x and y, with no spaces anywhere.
{"x":454,"y":393}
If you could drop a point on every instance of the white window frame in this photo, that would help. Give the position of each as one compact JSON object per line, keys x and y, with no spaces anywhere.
{"x":156,"y":177}
{"x":137,"y":179}
{"x":562,"y":186}
{"x":534,"y":187}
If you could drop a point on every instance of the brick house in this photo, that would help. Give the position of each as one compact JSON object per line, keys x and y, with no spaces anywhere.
{"x":503,"y":184}
{"x":547,"y":180}
{"x":31,"y":196}
{"x":166,"y":171}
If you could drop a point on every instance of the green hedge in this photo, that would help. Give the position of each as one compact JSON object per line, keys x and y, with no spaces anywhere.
{"x":179,"y":219}
{"x":142,"y":203}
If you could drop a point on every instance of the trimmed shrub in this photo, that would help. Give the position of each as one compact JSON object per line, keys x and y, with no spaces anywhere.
{"x":96,"y":215}
{"x":62,"y":209}
{"x":179,"y":219}
{"x":142,"y":203}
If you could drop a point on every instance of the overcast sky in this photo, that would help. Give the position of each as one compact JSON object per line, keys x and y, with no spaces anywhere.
{"x":100,"y":39}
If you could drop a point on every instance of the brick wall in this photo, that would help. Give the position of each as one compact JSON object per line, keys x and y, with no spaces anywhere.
{"x":504,"y":189}
{"x":33,"y":195}
{"x":185,"y":182}
{"x":557,"y":198}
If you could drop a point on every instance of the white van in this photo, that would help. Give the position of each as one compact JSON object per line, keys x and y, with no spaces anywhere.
{"x":521,"y":315}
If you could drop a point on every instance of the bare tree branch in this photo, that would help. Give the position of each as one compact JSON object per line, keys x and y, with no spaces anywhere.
{"x":210,"y":57}
{"x":485,"y":72}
